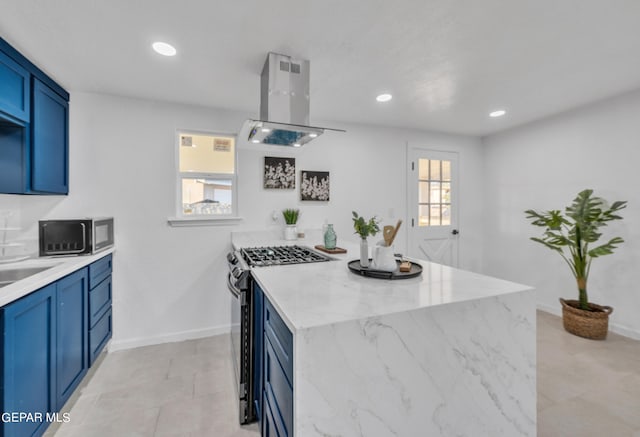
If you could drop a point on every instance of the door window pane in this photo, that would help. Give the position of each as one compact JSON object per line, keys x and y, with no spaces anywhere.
{"x":446,"y":170}
{"x":434,"y":219}
{"x":423,"y":169}
{"x":434,"y":192}
{"x":446,"y":215}
{"x":435,"y":170}
{"x":423,"y":215}
{"x":423,"y":192}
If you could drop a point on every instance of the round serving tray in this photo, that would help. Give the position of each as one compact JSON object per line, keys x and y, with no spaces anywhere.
{"x":355,"y":267}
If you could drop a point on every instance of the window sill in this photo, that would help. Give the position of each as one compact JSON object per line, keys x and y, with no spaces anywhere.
{"x":203,"y":221}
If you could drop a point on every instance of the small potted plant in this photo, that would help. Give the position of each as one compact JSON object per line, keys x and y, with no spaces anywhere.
{"x":571,"y":235}
{"x":364,"y":228}
{"x":290,"y":218}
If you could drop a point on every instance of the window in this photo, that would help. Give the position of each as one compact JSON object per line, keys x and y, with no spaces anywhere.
{"x":206,"y":175}
{"x":434,"y":192}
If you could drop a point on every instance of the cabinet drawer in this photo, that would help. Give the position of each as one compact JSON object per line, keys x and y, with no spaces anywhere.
{"x":99,"y":335}
{"x":278,"y":392}
{"x":14,"y":90}
{"x":281,"y":338}
{"x":99,"y":270}
{"x":99,"y":300}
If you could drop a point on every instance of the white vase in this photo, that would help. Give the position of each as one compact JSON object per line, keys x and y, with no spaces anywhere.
{"x":290,"y":232}
{"x":364,"y":252}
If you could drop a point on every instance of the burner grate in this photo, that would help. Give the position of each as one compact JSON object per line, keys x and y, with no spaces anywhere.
{"x":281,"y":255}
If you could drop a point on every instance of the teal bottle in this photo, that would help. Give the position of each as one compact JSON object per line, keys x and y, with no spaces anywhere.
{"x":330,"y":238}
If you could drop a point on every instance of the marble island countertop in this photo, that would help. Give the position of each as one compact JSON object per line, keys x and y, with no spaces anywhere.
{"x":316,"y":294}
{"x":54,"y":268}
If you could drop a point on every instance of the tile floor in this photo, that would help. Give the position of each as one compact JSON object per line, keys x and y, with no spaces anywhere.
{"x":585,"y":388}
{"x":174,"y":389}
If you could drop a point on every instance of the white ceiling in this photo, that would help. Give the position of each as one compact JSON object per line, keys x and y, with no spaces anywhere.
{"x":446,"y":62}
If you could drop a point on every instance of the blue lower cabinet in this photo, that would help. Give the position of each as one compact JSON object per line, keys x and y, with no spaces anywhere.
{"x":45,"y":346}
{"x":277,"y":375}
{"x":29,"y":363}
{"x":71,"y":334}
{"x":100,"y":321}
{"x":99,"y":335}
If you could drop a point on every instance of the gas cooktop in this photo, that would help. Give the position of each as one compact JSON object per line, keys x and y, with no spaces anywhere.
{"x":281,"y":255}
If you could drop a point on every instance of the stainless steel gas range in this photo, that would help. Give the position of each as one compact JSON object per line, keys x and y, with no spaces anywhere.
{"x":244,"y":318}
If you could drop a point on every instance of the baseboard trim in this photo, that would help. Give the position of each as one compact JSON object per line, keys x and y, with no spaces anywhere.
{"x":613,"y":327}
{"x":116,"y":345}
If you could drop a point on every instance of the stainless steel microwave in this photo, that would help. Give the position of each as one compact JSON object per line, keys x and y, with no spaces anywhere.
{"x":75,"y":236}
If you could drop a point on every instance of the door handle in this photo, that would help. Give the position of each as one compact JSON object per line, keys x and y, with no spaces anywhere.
{"x":455,"y":232}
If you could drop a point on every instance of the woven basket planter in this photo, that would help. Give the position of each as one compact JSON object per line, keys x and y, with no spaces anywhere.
{"x":592,"y":324}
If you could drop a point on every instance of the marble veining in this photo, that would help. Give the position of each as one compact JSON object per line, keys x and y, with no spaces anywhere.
{"x":453,"y":370}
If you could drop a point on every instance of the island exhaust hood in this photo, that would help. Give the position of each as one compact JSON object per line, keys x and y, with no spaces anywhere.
{"x":284,"y":105}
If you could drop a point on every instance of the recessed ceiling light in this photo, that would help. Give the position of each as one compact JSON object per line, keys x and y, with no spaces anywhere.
{"x":164,"y":49}
{"x":266,"y":129}
{"x":296,"y":144}
{"x":255,"y":141}
{"x":498,"y":113}
{"x":384,"y":97}
{"x":313,"y":135}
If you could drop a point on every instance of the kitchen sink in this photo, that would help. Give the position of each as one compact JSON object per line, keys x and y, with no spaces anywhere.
{"x":9,"y":276}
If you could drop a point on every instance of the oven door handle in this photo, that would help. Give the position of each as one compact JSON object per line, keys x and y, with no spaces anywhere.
{"x":232,"y":288}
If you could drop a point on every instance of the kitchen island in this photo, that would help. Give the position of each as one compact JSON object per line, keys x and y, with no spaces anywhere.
{"x":448,"y":353}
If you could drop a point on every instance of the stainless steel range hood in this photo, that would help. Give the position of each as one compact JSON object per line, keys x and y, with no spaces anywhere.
{"x":284,"y":105}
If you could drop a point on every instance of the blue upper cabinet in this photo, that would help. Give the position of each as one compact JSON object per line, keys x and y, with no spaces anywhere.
{"x":50,"y":141}
{"x":34,"y":128}
{"x":14,"y":91}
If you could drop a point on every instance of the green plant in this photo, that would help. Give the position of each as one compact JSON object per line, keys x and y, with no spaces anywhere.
{"x":291,"y":216}
{"x":363,"y":227}
{"x":571,"y":234}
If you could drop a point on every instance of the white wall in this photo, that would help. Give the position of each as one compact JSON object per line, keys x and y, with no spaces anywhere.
{"x":543,"y":166}
{"x":169,"y":283}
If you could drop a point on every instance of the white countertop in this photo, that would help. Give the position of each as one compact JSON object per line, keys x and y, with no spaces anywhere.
{"x":316,"y":294}
{"x":59,"y":268}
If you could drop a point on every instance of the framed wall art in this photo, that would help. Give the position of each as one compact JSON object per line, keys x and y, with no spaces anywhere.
{"x":279,"y":173}
{"x":314,"y":185}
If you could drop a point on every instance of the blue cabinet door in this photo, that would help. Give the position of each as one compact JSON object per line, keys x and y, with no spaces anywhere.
{"x":13,"y":158}
{"x":72,"y":331}
{"x":258,"y":349}
{"x":29,"y":361}
{"x":277,"y":374}
{"x":14,"y":91}
{"x":50,"y":141}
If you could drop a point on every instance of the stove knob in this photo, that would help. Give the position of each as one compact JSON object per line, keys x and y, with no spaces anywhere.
{"x":231,"y":257}
{"x":236,"y":272}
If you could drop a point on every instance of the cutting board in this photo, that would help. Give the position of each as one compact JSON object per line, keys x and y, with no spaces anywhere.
{"x":334,"y":251}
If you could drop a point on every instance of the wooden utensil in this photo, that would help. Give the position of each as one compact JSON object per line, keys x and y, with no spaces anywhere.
{"x":387,"y":233}
{"x":395,"y":232}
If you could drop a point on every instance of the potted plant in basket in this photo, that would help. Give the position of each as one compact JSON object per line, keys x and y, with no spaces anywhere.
{"x":572,"y":235}
{"x":290,"y":218}
{"x":364,"y":228}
